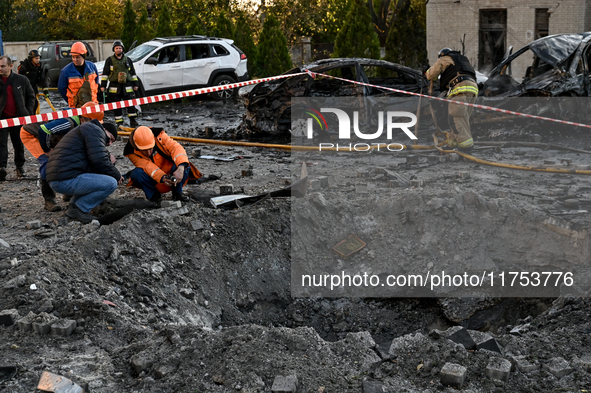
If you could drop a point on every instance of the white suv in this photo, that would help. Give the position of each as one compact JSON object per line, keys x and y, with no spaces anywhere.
{"x":171,"y":64}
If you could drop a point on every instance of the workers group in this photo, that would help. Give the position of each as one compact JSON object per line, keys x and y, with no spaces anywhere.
{"x":72,"y":152}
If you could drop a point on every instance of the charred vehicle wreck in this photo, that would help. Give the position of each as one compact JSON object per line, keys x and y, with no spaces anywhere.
{"x":560,"y":67}
{"x":268,"y":105}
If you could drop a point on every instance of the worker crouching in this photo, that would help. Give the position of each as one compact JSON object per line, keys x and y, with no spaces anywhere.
{"x":161,"y":164}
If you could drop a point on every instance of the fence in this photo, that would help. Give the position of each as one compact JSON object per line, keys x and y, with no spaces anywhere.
{"x":20,"y":50}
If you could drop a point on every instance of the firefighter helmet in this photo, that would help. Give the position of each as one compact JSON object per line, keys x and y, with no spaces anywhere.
{"x":78,"y":48}
{"x":444,"y":52}
{"x":34,"y":53}
{"x":118,"y":43}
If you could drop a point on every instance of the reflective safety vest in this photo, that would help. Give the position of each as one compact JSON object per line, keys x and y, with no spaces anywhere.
{"x":75,"y":82}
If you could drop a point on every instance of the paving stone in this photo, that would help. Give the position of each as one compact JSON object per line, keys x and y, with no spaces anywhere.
{"x":227,"y":189}
{"x":63,"y":327}
{"x":453,"y":375}
{"x":498,"y":368}
{"x":287,"y":384}
{"x":571,"y":203}
{"x":372,"y":387}
{"x":176,"y":204}
{"x":464,"y":175}
{"x":315,"y":184}
{"x":34,"y":224}
{"x":42,"y":323}
{"x":462,"y":336}
{"x":361,"y":189}
{"x":26,"y":323}
{"x":196,"y":225}
{"x":323,"y":181}
{"x":183,"y":211}
{"x":523,"y":364}
{"x":416,"y":183}
{"x":9,"y":317}
{"x":559,"y":367}
{"x":567,"y":161}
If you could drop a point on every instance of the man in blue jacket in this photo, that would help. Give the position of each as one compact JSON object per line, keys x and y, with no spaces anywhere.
{"x":80,"y":165}
{"x":79,"y":81}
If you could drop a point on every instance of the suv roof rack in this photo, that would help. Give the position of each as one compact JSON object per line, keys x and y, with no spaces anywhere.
{"x":186,"y":38}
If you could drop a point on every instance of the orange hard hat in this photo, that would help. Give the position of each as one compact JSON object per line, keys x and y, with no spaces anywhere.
{"x":143,"y":138}
{"x":78,"y":48}
{"x":95,"y":115}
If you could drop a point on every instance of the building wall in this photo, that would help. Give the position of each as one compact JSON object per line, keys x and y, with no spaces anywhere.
{"x":449,"y":21}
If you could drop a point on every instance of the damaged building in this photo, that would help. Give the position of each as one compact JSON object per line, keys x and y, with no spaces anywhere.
{"x":489,"y":29}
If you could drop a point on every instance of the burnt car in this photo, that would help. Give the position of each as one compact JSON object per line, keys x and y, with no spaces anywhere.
{"x":560,"y":67}
{"x":268,"y":104}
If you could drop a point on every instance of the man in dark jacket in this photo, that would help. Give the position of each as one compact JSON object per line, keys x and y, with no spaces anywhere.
{"x":80,"y":165}
{"x":31,"y":68}
{"x":17,"y":99}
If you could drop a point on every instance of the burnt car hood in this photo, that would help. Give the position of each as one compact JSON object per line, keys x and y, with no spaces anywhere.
{"x":555,"y":49}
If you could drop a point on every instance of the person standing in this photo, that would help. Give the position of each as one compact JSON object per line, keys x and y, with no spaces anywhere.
{"x":31,"y":68}
{"x":123,"y":82}
{"x":459,"y":78}
{"x":17,"y":99}
{"x":40,"y":139}
{"x":80,"y":165}
{"x":78,"y":82}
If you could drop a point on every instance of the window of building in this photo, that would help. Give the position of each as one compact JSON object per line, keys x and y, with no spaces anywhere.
{"x":542,"y":23}
{"x":492,"y":41}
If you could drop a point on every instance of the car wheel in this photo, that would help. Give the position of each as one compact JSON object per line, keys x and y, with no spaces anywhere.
{"x":48,"y":80}
{"x":223,"y":94}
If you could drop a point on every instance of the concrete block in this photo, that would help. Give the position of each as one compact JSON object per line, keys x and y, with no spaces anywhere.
{"x":4,"y":244}
{"x":9,"y":317}
{"x":372,"y":387}
{"x":558,"y":367}
{"x":416,"y":183}
{"x":227,"y":189}
{"x":286,"y":181}
{"x":464,"y":175}
{"x":413,"y":159}
{"x":141,"y":362}
{"x":183,"y":211}
{"x":34,"y":224}
{"x":498,"y":368}
{"x":175,"y":204}
{"x":196,"y":225}
{"x":361,"y":189}
{"x":453,"y":157}
{"x":323,"y":181}
{"x":315,"y":184}
{"x":461,"y":336}
{"x":26,"y":323}
{"x":362,"y":174}
{"x":453,"y":375}
{"x":42,"y":323}
{"x":523,"y":364}
{"x":571,"y":203}
{"x":63,"y":327}
{"x":566,"y":161}
{"x":287,"y":384}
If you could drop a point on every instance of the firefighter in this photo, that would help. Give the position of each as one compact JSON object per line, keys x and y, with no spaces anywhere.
{"x":458,"y":77}
{"x":31,"y":68}
{"x":123,"y":82}
{"x":79,"y":81}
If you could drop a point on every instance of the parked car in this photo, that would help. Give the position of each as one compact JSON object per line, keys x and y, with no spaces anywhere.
{"x":55,"y":56}
{"x":268,"y":104}
{"x":171,"y":64}
{"x":560,"y":67}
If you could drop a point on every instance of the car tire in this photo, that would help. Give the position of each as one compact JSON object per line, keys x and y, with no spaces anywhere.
{"x":49,"y":81}
{"x":223,"y":94}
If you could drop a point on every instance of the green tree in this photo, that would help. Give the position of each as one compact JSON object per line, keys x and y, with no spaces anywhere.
{"x":224,"y":27}
{"x":129,"y":25}
{"x":243,"y":40}
{"x":164,"y":27}
{"x":145,"y":30}
{"x":357,"y":37}
{"x":272,"y":52}
{"x":24,"y":22}
{"x":407,"y":41}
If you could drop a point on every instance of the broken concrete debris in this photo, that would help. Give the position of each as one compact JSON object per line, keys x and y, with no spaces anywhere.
{"x":499,"y":369}
{"x":9,"y":317}
{"x":285,"y":384}
{"x":453,"y":375}
{"x":174,"y":204}
{"x":50,"y":382}
{"x":559,"y":367}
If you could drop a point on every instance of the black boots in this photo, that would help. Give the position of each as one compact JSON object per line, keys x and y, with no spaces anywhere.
{"x":133,"y":122}
{"x":75,"y":213}
{"x":49,"y":196}
{"x":180,"y":197}
{"x":157,"y":198}
{"x":20,"y":172}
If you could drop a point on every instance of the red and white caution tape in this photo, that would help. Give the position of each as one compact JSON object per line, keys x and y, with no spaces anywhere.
{"x":313,"y":74}
{"x":19,"y":121}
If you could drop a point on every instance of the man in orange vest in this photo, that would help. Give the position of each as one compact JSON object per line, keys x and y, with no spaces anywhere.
{"x":161,"y":164}
{"x":79,"y":81}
